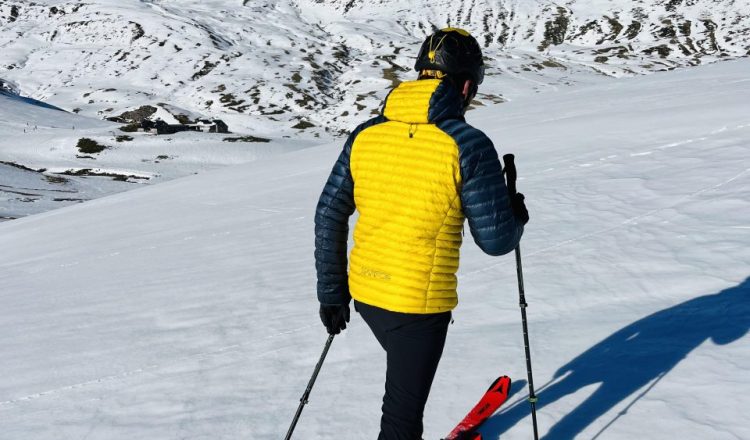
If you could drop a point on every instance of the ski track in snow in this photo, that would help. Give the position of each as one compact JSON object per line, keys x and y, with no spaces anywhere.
{"x":221,"y":351}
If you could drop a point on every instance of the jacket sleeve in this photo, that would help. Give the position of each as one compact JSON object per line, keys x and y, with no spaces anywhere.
{"x":484,"y":195}
{"x":335,"y":206}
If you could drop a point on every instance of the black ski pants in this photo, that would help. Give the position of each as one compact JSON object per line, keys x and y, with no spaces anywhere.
{"x":413,"y":344}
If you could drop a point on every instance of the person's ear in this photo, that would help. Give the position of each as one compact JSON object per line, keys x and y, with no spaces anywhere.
{"x":469,"y":92}
{"x":467,"y":88}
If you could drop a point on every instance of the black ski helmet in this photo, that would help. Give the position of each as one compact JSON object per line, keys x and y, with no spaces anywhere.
{"x":454,"y":52}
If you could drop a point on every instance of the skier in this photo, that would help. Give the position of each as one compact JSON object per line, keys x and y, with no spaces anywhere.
{"x":414,"y":173}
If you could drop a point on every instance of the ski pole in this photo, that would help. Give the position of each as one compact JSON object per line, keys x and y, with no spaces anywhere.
{"x":510,"y":171}
{"x":306,"y":394}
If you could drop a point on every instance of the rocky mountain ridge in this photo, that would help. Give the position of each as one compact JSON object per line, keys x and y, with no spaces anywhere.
{"x":317,"y":67}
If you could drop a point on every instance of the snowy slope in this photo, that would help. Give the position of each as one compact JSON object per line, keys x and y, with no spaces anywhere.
{"x":698,"y":29}
{"x":42,"y":168}
{"x":311,"y":66}
{"x":187,"y":309}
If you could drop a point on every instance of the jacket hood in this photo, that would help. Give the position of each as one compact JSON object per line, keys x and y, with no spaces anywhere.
{"x":423,"y":101}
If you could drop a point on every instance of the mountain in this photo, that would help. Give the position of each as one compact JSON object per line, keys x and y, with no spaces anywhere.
{"x":293,"y":72}
{"x":679,"y":31}
{"x":317,"y":67}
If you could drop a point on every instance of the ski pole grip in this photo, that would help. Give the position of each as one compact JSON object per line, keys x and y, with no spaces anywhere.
{"x":510,"y":172}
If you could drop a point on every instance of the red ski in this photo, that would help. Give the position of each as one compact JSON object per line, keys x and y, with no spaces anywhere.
{"x":493,"y":399}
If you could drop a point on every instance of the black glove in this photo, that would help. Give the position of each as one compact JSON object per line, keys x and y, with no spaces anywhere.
{"x":334,"y":317}
{"x":519,"y":208}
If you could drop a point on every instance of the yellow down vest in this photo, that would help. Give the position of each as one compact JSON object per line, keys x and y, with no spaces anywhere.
{"x":405,"y":173}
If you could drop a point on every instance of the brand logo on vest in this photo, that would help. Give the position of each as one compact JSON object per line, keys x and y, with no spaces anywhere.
{"x":373,"y":273}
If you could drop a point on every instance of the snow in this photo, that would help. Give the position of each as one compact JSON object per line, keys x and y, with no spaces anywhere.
{"x":267,"y":65}
{"x":299,"y":72}
{"x":187,"y":309}
{"x":44,"y":142}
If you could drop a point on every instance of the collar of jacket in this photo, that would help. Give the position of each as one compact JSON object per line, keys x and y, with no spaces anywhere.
{"x":423,"y":101}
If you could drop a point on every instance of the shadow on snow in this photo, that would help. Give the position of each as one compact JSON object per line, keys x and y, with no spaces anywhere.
{"x":631,"y":358}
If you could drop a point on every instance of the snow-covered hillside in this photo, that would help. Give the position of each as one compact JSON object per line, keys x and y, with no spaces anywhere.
{"x":187,"y":309}
{"x":290,"y":69}
{"x":44,"y":165}
{"x":311,"y":66}
{"x":625,"y":29}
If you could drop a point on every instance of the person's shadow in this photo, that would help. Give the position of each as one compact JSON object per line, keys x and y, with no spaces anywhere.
{"x":632,"y":357}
